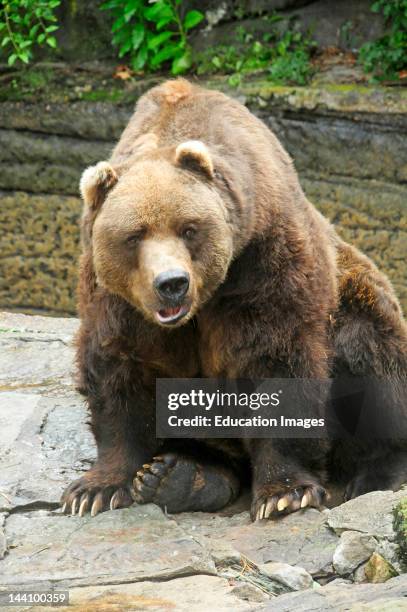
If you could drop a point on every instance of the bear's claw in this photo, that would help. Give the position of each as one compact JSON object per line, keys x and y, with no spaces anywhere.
{"x":273,"y":502}
{"x":83,"y":496}
{"x":151,"y":476}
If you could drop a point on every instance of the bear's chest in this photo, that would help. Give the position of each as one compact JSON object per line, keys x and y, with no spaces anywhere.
{"x":170,"y":354}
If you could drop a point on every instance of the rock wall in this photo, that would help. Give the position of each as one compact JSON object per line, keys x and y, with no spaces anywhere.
{"x":348,"y":144}
{"x":347,"y":24}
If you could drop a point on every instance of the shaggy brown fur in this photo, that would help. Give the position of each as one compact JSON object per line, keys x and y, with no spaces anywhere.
{"x":198,"y":184}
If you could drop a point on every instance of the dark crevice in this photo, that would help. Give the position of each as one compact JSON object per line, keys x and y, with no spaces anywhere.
{"x":31,"y":507}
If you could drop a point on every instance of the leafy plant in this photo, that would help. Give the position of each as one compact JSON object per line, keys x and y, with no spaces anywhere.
{"x":284,"y":53}
{"x":386,"y":57}
{"x":153,"y":33}
{"x":292,"y":60}
{"x":25,"y":24}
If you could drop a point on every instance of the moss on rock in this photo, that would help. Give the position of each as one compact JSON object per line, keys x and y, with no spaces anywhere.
{"x":400,"y":527}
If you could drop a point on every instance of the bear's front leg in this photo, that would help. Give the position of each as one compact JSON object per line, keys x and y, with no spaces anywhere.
{"x":289,"y":473}
{"x":124,"y":430}
{"x":283,"y":481}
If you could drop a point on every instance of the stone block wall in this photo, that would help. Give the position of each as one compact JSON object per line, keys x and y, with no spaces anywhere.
{"x":348,"y":144}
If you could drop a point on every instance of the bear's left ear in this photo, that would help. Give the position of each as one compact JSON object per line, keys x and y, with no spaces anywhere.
{"x":194,"y":154}
{"x":95,"y":183}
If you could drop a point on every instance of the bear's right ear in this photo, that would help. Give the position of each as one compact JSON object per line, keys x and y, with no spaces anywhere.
{"x":195,"y":154}
{"x":95,"y":183}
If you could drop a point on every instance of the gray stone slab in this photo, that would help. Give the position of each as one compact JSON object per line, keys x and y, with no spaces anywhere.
{"x":81,"y":119}
{"x":303,"y":539}
{"x":137,"y":543}
{"x":353,"y":549}
{"x":36,"y":353}
{"x":30,"y":326}
{"x":390,"y":596}
{"x":190,"y":594}
{"x":371,"y":513}
{"x":116,"y":558}
{"x":45,"y":444}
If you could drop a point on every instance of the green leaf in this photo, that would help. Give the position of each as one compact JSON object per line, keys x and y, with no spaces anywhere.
{"x":52,"y":42}
{"x":164,"y":21}
{"x":24,"y":57}
{"x":51,"y":28}
{"x":165,"y":54}
{"x":41,"y":38}
{"x":157,"y":11}
{"x":119,"y":23}
{"x":234,"y":80}
{"x":140,"y":60}
{"x":12,"y":59}
{"x":121,"y":36}
{"x":192,"y":18}
{"x":137,"y":36}
{"x":5,"y":40}
{"x":216,"y":61}
{"x":34,"y":30}
{"x":156,"y":41}
{"x":111,"y":5}
{"x":128,"y":13}
{"x":125,"y":47}
{"x":181,"y":64}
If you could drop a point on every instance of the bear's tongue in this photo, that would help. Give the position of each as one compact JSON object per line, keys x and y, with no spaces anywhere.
{"x":170,"y":315}
{"x":167,"y":313}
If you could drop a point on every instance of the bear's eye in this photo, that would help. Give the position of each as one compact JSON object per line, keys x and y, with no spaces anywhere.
{"x":134,"y":238}
{"x":189,"y":232}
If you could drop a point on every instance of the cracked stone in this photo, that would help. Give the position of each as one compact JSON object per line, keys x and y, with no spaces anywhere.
{"x":249,"y":592}
{"x":36,"y":353}
{"x":302,"y":538}
{"x":371,"y":513}
{"x":377,"y":569}
{"x":132,"y":544}
{"x":193,"y":593}
{"x":290,"y":575}
{"x":353,"y":549}
{"x":359,"y":574}
{"x":222,"y":553}
{"x":42,"y":449}
{"x":339,"y":596}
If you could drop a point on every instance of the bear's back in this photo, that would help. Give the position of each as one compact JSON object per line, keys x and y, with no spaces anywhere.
{"x":250,"y":154}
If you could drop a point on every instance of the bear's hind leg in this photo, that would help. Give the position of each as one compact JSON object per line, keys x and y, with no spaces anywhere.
{"x":180,"y":483}
{"x":384,"y":472}
{"x":370,"y":336}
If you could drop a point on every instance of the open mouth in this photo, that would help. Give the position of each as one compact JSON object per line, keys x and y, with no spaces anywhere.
{"x":168,"y":316}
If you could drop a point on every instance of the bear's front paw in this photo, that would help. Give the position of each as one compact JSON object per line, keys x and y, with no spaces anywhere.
{"x":93,"y":494}
{"x":273,"y":500}
{"x":153,"y":475}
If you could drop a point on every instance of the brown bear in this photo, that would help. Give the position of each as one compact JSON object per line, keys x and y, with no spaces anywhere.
{"x":202,"y":257}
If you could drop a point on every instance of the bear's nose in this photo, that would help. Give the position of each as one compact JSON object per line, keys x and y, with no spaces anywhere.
{"x":172,"y":285}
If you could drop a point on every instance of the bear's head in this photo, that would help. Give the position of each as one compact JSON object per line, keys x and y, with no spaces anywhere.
{"x":161,"y":235}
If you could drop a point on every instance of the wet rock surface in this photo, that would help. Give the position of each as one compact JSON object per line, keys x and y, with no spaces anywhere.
{"x":141,"y":558}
